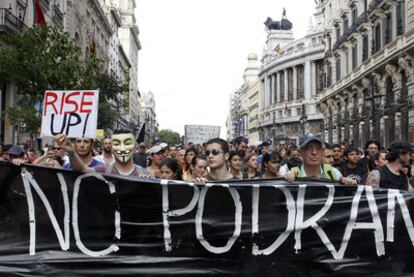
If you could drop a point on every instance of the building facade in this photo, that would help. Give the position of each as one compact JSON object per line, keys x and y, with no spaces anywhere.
{"x":106,"y":28}
{"x":15,"y":16}
{"x":151,"y":123}
{"x":289,"y":82}
{"x":128,"y":35}
{"x":238,"y":123}
{"x":368,"y":84}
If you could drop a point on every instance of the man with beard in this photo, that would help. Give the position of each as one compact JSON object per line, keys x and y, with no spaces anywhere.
{"x":83,"y":150}
{"x":107,"y":158}
{"x":123,"y":145}
{"x":391,"y":175}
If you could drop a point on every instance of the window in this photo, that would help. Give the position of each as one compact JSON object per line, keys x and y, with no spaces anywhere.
{"x":400,"y":17}
{"x":354,"y":16}
{"x":329,"y":44}
{"x":365,"y":47}
{"x":346,"y":25}
{"x":338,"y":68}
{"x":300,"y":82}
{"x":377,"y":38}
{"x":319,"y":76}
{"x":329,"y":76}
{"x":338,"y":33}
{"x":387,"y":29}
{"x":354,"y":56}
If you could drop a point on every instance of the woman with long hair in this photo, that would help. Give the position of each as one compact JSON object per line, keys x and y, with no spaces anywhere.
{"x":170,"y":169}
{"x":251,"y":166}
{"x":190,"y":153}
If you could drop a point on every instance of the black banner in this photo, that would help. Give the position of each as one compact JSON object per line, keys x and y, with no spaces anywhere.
{"x":57,"y":222}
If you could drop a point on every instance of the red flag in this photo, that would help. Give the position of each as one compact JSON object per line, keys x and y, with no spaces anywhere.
{"x":286,"y":108}
{"x":39,"y":16}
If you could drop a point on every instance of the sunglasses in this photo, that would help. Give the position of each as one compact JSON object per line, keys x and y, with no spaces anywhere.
{"x":214,"y":152}
{"x":55,"y":148}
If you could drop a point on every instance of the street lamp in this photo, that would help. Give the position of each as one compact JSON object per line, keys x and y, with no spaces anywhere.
{"x":303,"y":119}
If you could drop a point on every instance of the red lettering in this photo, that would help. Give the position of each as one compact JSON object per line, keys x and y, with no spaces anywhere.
{"x":72,"y":102}
{"x":50,"y":103}
{"x":86,"y":103}
{"x":61,"y":103}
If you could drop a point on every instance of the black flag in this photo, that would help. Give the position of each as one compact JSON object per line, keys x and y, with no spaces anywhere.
{"x":141,"y":134}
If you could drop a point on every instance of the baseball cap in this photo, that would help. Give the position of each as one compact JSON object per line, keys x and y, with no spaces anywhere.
{"x":163,"y":145}
{"x":155,"y":149}
{"x":308,"y":138}
{"x":16,"y":151}
{"x":141,"y":144}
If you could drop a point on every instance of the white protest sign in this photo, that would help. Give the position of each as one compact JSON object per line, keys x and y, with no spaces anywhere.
{"x":70,"y":112}
{"x":201,"y":133}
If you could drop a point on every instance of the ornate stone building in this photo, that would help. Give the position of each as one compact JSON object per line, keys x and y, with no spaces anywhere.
{"x":368,"y":84}
{"x":244,"y":105}
{"x":15,"y":16}
{"x":289,"y":80}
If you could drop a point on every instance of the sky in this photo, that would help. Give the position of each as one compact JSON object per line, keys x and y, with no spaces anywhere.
{"x":194,"y":53}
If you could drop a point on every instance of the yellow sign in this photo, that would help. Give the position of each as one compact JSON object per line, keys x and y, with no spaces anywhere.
{"x":100,"y":133}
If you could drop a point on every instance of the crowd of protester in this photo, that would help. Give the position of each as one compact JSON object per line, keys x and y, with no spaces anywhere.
{"x":218,"y":159}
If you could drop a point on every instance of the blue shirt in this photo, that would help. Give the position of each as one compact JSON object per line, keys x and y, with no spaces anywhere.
{"x":93,"y":163}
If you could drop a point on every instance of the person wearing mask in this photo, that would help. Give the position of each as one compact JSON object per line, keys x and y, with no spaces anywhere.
{"x":272,"y":162}
{"x":391,"y":175}
{"x":170,"y":170}
{"x":198,"y":167}
{"x":140,"y":157}
{"x":352,"y":168}
{"x":123,"y":146}
{"x":107,"y":158}
{"x":235,"y":162}
{"x":252,"y":165}
{"x":156,"y":155}
{"x":83,"y":148}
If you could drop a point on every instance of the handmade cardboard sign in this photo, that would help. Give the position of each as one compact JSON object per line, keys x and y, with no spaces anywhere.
{"x":71,"y":112}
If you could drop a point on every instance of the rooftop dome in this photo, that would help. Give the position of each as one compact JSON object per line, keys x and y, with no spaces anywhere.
{"x":252,"y":56}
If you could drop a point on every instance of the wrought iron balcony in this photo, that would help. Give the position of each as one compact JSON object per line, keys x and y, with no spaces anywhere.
{"x":9,"y":23}
{"x":57,"y":16}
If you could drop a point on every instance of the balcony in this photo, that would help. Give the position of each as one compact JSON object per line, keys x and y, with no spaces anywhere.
{"x":9,"y":23}
{"x":57,"y":16}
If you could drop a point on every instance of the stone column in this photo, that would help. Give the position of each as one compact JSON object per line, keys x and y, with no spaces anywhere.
{"x":295,"y":82}
{"x":314,"y":79}
{"x":286,"y":84}
{"x":277,"y":87}
{"x":266,"y":90}
{"x":262,"y":95}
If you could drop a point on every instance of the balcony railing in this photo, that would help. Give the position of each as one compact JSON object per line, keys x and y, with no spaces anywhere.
{"x":57,"y":16}
{"x":9,"y":23}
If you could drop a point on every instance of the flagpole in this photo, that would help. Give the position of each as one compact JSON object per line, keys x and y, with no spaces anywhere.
{"x":25,"y":8}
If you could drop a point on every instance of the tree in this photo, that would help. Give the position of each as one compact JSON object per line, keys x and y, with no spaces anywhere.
{"x":168,"y":136}
{"x":42,"y":58}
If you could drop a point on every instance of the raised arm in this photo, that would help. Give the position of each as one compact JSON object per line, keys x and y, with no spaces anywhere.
{"x":75,"y":160}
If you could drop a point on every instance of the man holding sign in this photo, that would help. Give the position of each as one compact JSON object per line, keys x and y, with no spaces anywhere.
{"x":123,"y":146}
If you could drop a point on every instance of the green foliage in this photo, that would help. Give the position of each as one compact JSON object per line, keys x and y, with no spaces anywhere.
{"x":42,"y":58}
{"x":168,"y":136}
